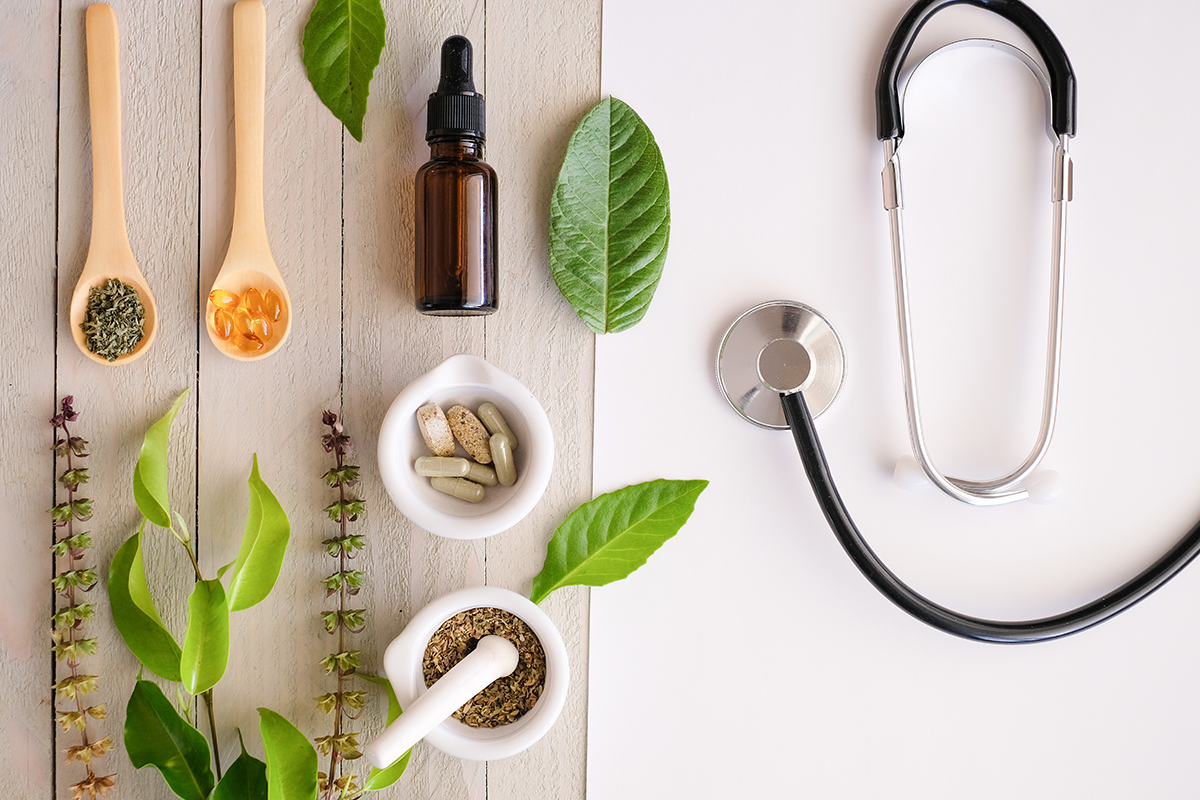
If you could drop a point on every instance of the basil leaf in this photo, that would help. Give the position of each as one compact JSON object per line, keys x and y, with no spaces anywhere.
{"x":206,"y":643}
{"x":291,"y":760}
{"x":606,"y":539}
{"x":342,"y":44}
{"x":610,"y":218}
{"x":246,"y":779}
{"x":157,"y":736}
{"x":383,"y":778}
{"x":134,"y":613}
{"x":260,"y":555}
{"x":150,"y":475}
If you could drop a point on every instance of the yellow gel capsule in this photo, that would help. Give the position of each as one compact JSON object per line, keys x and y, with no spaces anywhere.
{"x":252,"y":300}
{"x":442,"y":467}
{"x":491,"y":418}
{"x":272,"y":305}
{"x":241,"y":320}
{"x":222,"y":299}
{"x":260,"y":326}
{"x":502,"y":458}
{"x":461,"y":488}
{"x":222,"y":323}
{"x":248,"y":344}
{"x":478,"y":473}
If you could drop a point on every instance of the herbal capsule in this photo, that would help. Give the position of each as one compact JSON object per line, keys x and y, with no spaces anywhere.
{"x":252,"y":301}
{"x":506,"y":468}
{"x":248,"y":343}
{"x":241,"y":320}
{"x":435,"y":430}
{"x":442,"y":467}
{"x":480,"y":474}
{"x":222,"y":323}
{"x":260,"y":327}
{"x":491,"y":418}
{"x":470,"y":433}
{"x":272,"y":305}
{"x":461,"y":488}
{"x":223,"y":299}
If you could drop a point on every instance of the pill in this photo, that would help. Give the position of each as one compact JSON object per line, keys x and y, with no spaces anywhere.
{"x":442,"y":467}
{"x":470,"y":433}
{"x":506,"y":468}
{"x":461,"y":488}
{"x":493,"y":420}
{"x":435,"y":430}
{"x":478,"y":473}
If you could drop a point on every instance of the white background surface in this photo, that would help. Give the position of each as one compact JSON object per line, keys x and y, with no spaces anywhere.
{"x":749,"y":658}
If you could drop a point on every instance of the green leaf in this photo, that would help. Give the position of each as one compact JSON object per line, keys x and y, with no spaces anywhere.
{"x":291,"y":760}
{"x":150,"y":475}
{"x":610,"y":218}
{"x":342,"y":44}
{"x":157,"y":736}
{"x":260,"y":555}
{"x":606,"y":539}
{"x":206,"y":643}
{"x":134,"y":613}
{"x":383,"y":778}
{"x":246,"y":779}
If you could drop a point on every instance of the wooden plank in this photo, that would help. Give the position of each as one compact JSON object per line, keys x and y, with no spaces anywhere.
{"x":159,"y":55}
{"x":271,"y":407}
{"x":28,"y":93}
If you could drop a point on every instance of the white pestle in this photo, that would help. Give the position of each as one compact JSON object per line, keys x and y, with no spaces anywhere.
{"x":494,"y":657}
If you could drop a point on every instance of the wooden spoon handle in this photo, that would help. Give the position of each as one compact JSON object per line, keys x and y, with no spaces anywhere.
{"x":104,"y":97}
{"x":249,"y":90}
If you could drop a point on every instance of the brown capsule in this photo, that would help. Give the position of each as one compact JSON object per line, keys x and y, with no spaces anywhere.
{"x":470,"y":433}
{"x":222,"y":323}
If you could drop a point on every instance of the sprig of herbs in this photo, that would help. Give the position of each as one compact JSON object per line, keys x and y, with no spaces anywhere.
{"x":344,"y":703}
{"x":69,"y":644}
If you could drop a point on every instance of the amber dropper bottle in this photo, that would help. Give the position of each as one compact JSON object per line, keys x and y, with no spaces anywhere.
{"x":456,"y":198}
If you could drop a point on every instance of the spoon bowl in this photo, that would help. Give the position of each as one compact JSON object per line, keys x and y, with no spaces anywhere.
{"x":109,"y":253}
{"x":248,"y":262}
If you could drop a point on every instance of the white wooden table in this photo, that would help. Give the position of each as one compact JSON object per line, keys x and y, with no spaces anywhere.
{"x":339,"y":215}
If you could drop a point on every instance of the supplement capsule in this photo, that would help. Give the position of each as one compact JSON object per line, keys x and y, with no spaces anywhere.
{"x":248,"y":343}
{"x":470,"y":433}
{"x":491,"y":418}
{"x":461,"y":488}
{"x":272,"y":305}
{"x":480,"y":474}
{"x":241,"y":320}
{"x":260,"y":326}
{"x":222,"y":323}
{"x":223,"y":299}
{"x":252,"y":300}
{"x":441,"y":467}
{"x":502,"y":457}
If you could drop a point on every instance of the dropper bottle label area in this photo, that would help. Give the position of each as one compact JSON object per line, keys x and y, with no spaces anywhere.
{"x":456,"y":236}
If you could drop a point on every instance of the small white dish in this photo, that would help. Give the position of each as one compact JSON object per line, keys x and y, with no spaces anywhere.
{"x":470,"y":381}
{"x":403,"y":664}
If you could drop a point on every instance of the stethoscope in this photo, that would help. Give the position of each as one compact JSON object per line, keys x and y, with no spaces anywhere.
{"x":781,"y":363}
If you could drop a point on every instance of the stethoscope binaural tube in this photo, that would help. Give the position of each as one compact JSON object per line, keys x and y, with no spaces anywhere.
{"x":796,"y":413}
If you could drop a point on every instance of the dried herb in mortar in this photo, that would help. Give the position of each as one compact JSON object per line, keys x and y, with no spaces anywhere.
{"x":114,"y":320}
{"x":505,"y":699}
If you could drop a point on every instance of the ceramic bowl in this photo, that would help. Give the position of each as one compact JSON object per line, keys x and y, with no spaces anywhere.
{"x":470,"y":381}
{"x":403,"y":658}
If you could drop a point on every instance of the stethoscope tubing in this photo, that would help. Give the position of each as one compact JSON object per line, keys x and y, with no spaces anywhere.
{"x":800,"y":422}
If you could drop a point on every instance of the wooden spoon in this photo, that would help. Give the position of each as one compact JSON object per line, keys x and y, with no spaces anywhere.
{"x":248,"y":262}
{"x":109,"y":254}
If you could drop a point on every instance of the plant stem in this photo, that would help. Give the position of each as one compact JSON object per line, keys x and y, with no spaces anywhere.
{"x":334,"y":755}
{"x":212,"y":729}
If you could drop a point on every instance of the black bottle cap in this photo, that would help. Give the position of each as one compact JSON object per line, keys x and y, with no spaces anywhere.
{"x":456,"y":109}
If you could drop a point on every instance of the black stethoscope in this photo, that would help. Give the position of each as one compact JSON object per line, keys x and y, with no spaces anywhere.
{"x":781,"y":364}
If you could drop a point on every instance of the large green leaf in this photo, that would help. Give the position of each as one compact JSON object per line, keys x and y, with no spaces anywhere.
{"x":610,"y":218}
{"x":260,"y":555}
{"x":291,"y":760}
{"x":608,"y":538}
{"x":383,"y":778}
{"x":157,"y":736}
{"x":206,"y":643}
{"x":246,"y":779}
{"x":134,"y":613}
{"x":150,"y":475}
{"x":342,"y":44}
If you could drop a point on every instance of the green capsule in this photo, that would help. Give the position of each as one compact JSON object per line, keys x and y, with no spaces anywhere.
{"x":502,"y":459}
{"x":442,"y":467}
{"x":480,"y":474}
{"x":491,"y":418}
{"x":461,"y":488}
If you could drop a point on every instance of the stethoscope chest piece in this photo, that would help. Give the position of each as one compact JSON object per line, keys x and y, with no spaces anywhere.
{"x":775,"y":348}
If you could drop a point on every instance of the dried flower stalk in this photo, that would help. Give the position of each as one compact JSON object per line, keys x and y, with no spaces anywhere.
{"x":66,"y":624}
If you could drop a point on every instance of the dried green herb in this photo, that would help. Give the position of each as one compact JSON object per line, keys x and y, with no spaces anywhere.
{"x":504,"y":700}
{"x":114,"y":320}
{"x":69,"y":643}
